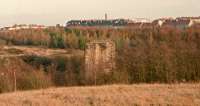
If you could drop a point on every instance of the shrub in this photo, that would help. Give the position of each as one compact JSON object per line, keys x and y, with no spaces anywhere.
{"x":5,"y":84}
{"x":56,"y":41}
{"x":33,"y":80}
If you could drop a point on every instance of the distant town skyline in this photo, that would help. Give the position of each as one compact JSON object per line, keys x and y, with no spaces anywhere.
{"x":51,"y":12}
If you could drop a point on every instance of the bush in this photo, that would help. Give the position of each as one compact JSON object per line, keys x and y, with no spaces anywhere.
{"x":33,"y":80}
{"x":56,"y":41}
{"x":5,"y":85}
{"x":38,"y":62}
{"x":68,"y":71}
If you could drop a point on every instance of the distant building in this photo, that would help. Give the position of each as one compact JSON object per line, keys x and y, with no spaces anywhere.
{"x":140,"y":24}
{"x":162,"y":21}
{"x":114,"y":22}
{"x":137,"y":22}
{"x":141,"y":20}
{"x":180,"y":22}
{"x":194,"y":22}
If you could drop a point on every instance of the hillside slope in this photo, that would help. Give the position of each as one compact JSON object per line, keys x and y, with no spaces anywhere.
{"x":113,"y":95}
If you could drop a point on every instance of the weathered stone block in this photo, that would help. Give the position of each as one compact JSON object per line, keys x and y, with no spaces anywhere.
{"x":99,"y":58}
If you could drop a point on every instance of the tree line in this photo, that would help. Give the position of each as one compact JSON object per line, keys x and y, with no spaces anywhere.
{"x":148,"y":55}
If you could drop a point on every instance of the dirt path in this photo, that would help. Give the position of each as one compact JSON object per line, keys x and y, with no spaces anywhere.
{"x":114,"y":95}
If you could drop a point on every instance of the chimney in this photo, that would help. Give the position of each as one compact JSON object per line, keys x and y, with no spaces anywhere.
{"x":106,"y":17}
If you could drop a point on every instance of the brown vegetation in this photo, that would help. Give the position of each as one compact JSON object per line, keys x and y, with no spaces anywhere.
{"x":27,"y":77}
{"x":146,"y":55}
{"x":38,"y":71}
{"x":113,"y":95}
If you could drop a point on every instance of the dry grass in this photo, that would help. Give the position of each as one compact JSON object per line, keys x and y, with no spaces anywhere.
{"x":113,"y":95}
{"x":15,"y":51}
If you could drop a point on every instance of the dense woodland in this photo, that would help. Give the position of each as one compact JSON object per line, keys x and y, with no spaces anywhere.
{"x":144,"y":55}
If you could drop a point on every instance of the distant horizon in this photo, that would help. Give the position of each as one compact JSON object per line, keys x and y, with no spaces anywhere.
{"x":52,"y":12}
{"x":64,"y":22}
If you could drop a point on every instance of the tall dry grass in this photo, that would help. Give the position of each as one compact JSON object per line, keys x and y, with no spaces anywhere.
{"x":113,"y":95}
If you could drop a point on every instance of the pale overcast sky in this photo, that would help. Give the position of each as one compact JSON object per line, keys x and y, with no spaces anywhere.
{"x":50,"y":12}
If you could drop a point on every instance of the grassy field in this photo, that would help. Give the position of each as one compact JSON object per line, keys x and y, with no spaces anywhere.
{"x":112,"y":95}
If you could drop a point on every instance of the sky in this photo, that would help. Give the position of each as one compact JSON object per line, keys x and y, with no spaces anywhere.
{"x":52,"y":12}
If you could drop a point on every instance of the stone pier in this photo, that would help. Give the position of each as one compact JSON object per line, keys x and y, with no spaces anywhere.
{"x":99,"y":58}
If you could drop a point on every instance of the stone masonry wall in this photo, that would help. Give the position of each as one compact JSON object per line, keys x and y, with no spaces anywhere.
{"x":99,"y":58}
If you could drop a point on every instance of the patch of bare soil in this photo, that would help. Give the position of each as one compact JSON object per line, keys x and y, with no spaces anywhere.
{"x":113,"y":95}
